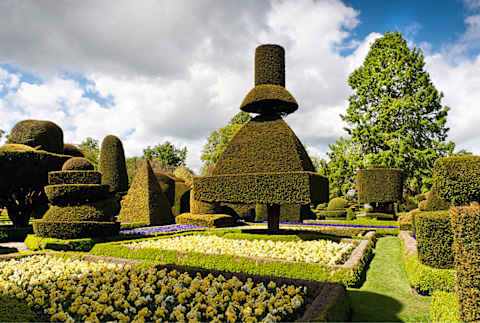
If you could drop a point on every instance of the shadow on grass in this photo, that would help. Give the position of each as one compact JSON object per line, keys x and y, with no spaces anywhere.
{"x":6,"y":250}
{"x":373,"y":307}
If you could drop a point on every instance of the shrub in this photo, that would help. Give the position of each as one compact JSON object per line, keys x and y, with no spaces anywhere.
{"x":39,"y":243}
{"x":466,"y":247}
{"x":16,"y":147}
{"x":379,"y":184}
{"x":100,"y":211}
{"x":337,"y":203}
{"x":78,"y":163}
{"x":182,"y":198}
{"x":75,"y":229}
{"x":184,"y":173}
{"x":39,"y":134}
{"x":405,"y":222}
{"x":205,"y":220}
{"x":112,"y":164}
{"x":432,"y":202}
{"x":443,"y":308}
{"x":380,"y":215}
{"x":420,"y":197}
{"x":145,"y":201}
{"x":434,"y":238}
{"x":409,"y":204}
{"x":72,"y":150}
{"x":350,"y":214}
{"x":74,"y":177}
{"x":167,"y":184}
{"x":199,"y":207}
{"x":75,"y":194}
{"x":457,"y":179}
{"x":342,"y":213}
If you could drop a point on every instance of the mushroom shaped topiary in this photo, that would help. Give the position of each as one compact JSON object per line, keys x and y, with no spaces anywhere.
{"x":78,"y":163}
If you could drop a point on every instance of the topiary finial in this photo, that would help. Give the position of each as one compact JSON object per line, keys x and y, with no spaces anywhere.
{"x":270,"y":65}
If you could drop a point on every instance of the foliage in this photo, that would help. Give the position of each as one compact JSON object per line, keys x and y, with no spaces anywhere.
{"x":72,"y":150}
{"x":91,"y":151}
{"x":40,"y":243}
{"x":167,"y":153}
{"x":112,"y":164}
{"x":39,"y":134}
{"x":205,"y":220}
{"x":219,"y":139}
{"x":443,"y":308}
{"x":184,"y":173}
{"x":78,"y":163}
{"x":15,"y":310}
{"x":432,"y":202}
{"x":288,"y":213}
{"x":379,"y":184}
{"x":74,"y":177}
{"x":337,"y":203}
{"x":75,"y":229}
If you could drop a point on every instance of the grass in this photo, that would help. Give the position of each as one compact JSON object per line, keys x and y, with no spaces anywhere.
{"x":386,"y":296}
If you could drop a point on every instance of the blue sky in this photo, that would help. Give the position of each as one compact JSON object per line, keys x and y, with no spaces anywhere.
{"x":177,"y":70}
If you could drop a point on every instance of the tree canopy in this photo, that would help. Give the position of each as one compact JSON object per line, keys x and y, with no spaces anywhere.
{"x":91,"y":150}
{"x":167,"y":153}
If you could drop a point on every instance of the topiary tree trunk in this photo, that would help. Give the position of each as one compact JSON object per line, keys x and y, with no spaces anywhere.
{"x":273,"y":218}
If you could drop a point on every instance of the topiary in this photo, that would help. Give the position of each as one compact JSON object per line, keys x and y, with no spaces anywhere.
{"x":379,"y":184}
{"x":433,"y":202}
{"x":39,"y":134}
{"x":78,"y":163}
{"x":167,"y":184}
{"x":72,"y":150}
{"x":112,"y":164}
{"x":337,"y":203}
{"x":16,"y":147}
{"x":184,"y":173}
{"x":199,"y":207}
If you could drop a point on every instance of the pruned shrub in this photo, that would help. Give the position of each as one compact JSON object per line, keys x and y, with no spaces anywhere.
{"x":78,"y":163}
{"x":379,"y":184}
{"x":182,"y":198}
{"x":205,"y":220}
{"x":75,"y":229}
{"x":434,"y":238}
{"x":184,"y":173}
{"x":39,"y":134}
{"x":100,"y":211}
{"x":199,"y":207}
{"x":405,"y":222}
{"x":112,"y":164}
{"x":16,"y":147}
{"x":432,"y":202}
{"x":465,"y":222}
{"x":74,"y":177}
{"x":75,"y":194}
{"x":167,"y":184}
{"x":72,"y":150}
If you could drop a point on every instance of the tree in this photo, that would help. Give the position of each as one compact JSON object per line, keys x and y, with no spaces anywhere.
{"x":167,"y":154}
{"x":1,"y":133}
{"x":395,"y":116}
{"x":219,"y":139}
{"x":89,"y":148}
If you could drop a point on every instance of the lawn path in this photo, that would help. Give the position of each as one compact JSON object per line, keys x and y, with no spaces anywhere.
{"x":385,"y":296}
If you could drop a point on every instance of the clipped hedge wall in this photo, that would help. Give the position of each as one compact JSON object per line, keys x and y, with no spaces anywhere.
{"x":39,"y":243}
{"x":443,"y":308}
{"x":75,"y":229}
{"x":74,"y":177}
{"x":432,"y":202}
{"x":167,"y":184}
{"x":199,"y":207}
{"x":337,"y":203}
{"x":405,"y":222}
{"x":182,"y":198}
{"x":112,"y":164}
{"x":331,"y":214}
{"x":457,"y":179}
{"x":205,"y":220}
{"x":100,"y":211}
{"x":75,"y":194}
{"x":39,"y":134}
{"x":435,"y":239}
{"x":466,"y":247}
{"x":78,"y":163}
{"x":379,"y":184}
{"x":72,"y":150}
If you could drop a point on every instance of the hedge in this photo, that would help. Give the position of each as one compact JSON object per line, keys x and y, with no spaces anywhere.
{"x":405,"y":222}
{"x":379,"y":184}
{"x":457,"y":179}
{"x":432,"y":202}
{"x":9,"y":233}
{"x":199,"y":207}
{"x":145,"y":201}
{"x":466,"y":247}
{"x":270,"y":65}
{"x":443,"y":308}
{"x":39,"y":134}
{"x":331,"y":214}
{"x":205,"y":220}
{"x":75,"y":194}
{"x":72,"y":150}
{"x":39,"y":243}
{"x":103,"y":210}
{"x":78,"y":163}
{"x":112,"y":164}
{"x":182,"y":198}
{"x":75,"y":229}
{"x":167,"y":184}
{"x":288,"y":213}
{"x":74,"y":177}
{"x":379,"y":215}
{"x":337,"y":203}
{"x":349,"y":276}
{"x":269,"y":99}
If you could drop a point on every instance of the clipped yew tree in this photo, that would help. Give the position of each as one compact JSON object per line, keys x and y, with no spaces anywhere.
{"x":145,"y":201}
{"x":72,"y":150}
{"x":381,"y":187}
{"x":112,"y":164}
{"x":80,"y":206}
{"x":265,"y":162}
{"x":39,"y":134}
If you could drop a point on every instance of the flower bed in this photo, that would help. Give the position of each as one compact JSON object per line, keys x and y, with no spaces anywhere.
{"x":147,"y":231}
{"x":316,"y":251}
{"x":80,"y":290}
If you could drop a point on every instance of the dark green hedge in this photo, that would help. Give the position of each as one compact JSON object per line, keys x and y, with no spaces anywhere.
{"x":269,"y":99}
{"x":323,"y":214}
{"x":337,"y":203}
{"x":434,"y":238}
{"x":405,"y":222}
{"x":167,"y":184}
{"x":270,"y":65}
{"x":199,"y":207}
{"x":75,"y":230}
{"x":379,"y":184}
{"x":145,"y":201}
{"x":263,"y":188}
{"x":72,"y":150}
{"x":39,"y":134}
{"x":288,"y":213}
{"x":9,"y":233}
{"x":100,"y":211}
{"x":182,"y":198}
{"x":457,"y":179}
{"x":112,"y":164}
{"x":40,"y":243}
{"x":78,"y":163}
{"x":205,"y":220}
{"x":432,"y":202}
{"x":466,"y":246}
{"x":264,"y":144}
{"x":75,"y":194}
{"x":74,"y":177}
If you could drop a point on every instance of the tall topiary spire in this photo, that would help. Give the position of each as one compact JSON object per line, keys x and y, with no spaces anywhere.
{"x":112,"y":164}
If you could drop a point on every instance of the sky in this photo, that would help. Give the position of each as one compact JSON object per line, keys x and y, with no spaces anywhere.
{"x":151,"y":71}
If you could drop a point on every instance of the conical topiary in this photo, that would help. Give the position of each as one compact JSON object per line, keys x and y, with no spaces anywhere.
{"x":145,"y":201}
{"x":112,"y":164}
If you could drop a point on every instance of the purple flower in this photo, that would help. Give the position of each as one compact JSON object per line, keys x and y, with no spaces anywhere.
{"x":145,"y":231}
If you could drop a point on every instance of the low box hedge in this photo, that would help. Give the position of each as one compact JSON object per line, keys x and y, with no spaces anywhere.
{"x":205,"y":220}
{"x":435,"y":239}
{"x":75,"y":229}
{"x":34,"y":243}
{"x":337,"y":214}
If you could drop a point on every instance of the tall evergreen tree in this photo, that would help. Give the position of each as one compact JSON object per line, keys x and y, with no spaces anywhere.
{"x":395,"y":116}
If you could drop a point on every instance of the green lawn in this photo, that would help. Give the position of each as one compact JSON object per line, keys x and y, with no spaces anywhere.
{"x":385,"y":296}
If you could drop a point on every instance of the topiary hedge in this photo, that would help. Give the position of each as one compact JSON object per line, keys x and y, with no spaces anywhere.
{"x":337,"y":203}
{"x":434,"y":238}
{"x":466,"y":247}
{"x":443,"y":308}
{"x":199,"y":207}
{"x":112,"y":164}
{"x":379,"y":184}
{"x":100,"y":211}
{"x":78,"y":163}
{"x":326,"y":214}
{"x":269,"y":98}
{"x":72,"y":150}
{"x":40,"y":243}
{"x":205,"y":220}
{"x":432,"y":202}
{"x":75,"y":194}
{"x":167,"y":184}
{"x":39,"y":134}
{"x":75,"y":229}
{"x":405,"y":222}
{"x":75,"y":177}
{"x":457,"y":179}
{"x":182,"y":198}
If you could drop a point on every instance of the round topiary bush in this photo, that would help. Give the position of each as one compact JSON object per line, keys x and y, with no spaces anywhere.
{"x":39,"y":134}
{"x":112,"y":164}
{"x":72,"y":150}
{"x":337,"y":203}
{"x":77,"y":163}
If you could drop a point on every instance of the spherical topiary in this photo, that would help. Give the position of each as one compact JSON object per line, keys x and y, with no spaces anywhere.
{"x":337,"y":203}
{"x":72,"y":150}
{"x":77,"y":163}
{"x":39,"y":134}
{"x":112,"y":164}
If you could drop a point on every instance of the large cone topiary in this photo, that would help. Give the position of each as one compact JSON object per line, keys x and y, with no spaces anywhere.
{"x":80,"y":206}
{"x":112,"y":164}
{"x":39,"y":134}
{"x":265,"y":162}
{"x":145,"y":201}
